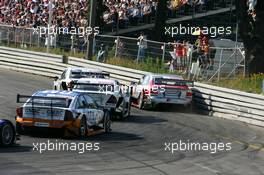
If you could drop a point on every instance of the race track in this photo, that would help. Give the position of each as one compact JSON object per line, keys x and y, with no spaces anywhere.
{"x":136,"y":145}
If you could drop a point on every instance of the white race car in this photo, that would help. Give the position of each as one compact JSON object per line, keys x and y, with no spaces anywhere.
{"x":107,"y":93}
{"x":72,"y":113}
{"x":72,"y":75}
{"x":154,"y":89}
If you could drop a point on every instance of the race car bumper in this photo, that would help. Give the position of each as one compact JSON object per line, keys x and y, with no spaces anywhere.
{"x":150,"y":100}
{"x":43,"y":123}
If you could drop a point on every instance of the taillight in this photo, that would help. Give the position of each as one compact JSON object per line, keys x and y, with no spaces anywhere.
{"x":68,"y":115}
{"x":19,"y":112}
{"x":189,"y":93}
{"x":112,"y":99}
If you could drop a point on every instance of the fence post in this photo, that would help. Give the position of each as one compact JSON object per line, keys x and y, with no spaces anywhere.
{"x":38,"y":39}
{"x":23,"y":37}
{"x":8,"y":36}
{"x":30,"y":37}
{"x":263,"y":87}
{"x":189,"y":64}
{"x":138,"y":51}
{"x":117,"y":44}
{"x":163,"y":53}
{"x":0,"y":37}
{"x":15,"y":37}
{"x":220,"y":62}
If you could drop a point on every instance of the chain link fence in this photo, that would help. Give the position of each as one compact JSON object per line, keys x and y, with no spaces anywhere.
{"x":220,"y":63}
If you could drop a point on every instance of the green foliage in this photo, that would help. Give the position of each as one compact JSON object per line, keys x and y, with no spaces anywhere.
{"x":253,"y":84}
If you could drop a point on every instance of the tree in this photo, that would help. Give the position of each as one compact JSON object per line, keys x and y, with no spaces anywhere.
{"x":160,"y":20}
{"x":252,"y":33}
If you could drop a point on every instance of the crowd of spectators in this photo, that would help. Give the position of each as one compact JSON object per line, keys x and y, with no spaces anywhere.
{"x":33,"y":13}
{"x":129,"y":11}
{"x":124,"y":12}
{"x":73,"y":13}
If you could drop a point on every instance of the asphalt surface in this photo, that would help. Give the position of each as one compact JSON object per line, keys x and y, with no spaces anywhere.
{"x":136,"y":145}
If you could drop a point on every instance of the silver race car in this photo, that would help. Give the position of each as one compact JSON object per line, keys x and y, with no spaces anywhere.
{"x":154,"y":89}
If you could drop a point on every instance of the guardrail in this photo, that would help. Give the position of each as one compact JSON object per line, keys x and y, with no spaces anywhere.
{"x":229,"y":104}
{"x":51,"y":65}
{"x":212,"y":100}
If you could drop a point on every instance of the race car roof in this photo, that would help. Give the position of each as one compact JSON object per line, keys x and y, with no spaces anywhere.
{"x":55,"y":93}
{"x":96,"y":81}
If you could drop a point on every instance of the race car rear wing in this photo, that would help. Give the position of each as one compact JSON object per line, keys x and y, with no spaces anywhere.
{"x":31,"y":100}
{"x":35,"y":101}
{"x":188,"y":83}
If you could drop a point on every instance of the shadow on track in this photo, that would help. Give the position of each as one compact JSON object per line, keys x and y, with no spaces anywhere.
{"x":142,"y":119}
{"x":172,"y":108}
{"x":112,"y":136}
{"x":15,"y":149}
{"x":115,"y":136}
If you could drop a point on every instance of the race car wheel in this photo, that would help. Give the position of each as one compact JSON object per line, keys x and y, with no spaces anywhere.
{"x":7,"y":132}
{"x":128,"y":109}
{"x":124,"y":112}
{"x":140,"y":101}
{"x":107,"y":122}
{"x":83,"y":128}
{"x":19,"y":129}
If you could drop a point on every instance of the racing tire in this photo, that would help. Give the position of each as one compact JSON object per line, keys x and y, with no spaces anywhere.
{"x":83,"y":128}
{"x":141,"y":101}
{"x":129,"y":109}
{"x":125,"y":111}
{"x":107,"y":122}
{"x":19,"y":129}
{"x":63,"y":86}
{"x":7,"y":134}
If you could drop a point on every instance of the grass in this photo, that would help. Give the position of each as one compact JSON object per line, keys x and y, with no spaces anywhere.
{"x":252,"y":84}
{"x":149,"y":65}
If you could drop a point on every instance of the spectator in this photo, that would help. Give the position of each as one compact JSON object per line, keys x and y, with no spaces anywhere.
{"x":142,"y":46}
{"x":101,"y":55}
{"x":120,"y":48}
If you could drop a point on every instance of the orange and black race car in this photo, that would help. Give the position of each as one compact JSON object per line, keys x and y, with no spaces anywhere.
{"x":74,"y":113}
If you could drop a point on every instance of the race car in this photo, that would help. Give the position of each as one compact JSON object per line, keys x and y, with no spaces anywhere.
{"x":73,"y":113}
{"x":154,"y":89}
{"x":7,"y":133}
{"x":71,"y":74}
{"x":108,"y":93}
